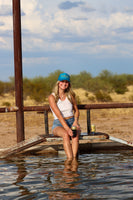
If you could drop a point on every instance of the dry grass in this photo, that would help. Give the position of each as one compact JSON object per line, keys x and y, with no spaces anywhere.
{"x":81,"y":93}
{"x":116,"y":122}
{"x":123,"y":98}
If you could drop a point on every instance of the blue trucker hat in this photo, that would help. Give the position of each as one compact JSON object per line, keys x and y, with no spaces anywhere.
{"x":64,"y":77}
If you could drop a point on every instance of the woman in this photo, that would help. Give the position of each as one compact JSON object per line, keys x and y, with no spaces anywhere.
{"x":64,"y":108}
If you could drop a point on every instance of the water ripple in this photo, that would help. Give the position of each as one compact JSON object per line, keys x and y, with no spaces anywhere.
{"x":94,"y":176}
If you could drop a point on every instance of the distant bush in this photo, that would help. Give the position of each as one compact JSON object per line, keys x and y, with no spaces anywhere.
{"x":52,"y":79}
{"x":81,"y":80}
{"x":103,"y":96}
{"x":39,"y":88}
{"x":6,"y":87}
{"x":36,"y":88}
{"x":78,"y":99}
{"x":119,"y":83}
{"x":91,"y":98}
{"x":98,"y":84}
{"x":129,"y":79}
{"x":6,"y":103}
{"x":86,"y":94}
{"x":115,"y":82}
{"x":1,"y":88}
{"x":27,"y":88}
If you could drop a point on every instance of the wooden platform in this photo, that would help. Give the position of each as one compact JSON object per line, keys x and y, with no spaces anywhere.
{"x":54,"y":145}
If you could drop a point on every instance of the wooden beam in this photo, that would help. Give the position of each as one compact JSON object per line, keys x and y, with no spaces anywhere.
{"x":22,"y":146}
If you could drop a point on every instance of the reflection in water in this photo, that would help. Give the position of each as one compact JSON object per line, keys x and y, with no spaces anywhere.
{"x":92,"y":176}
{"x":21,"y":172}
{"x":66,"y":184}
{"x":71,"y":165}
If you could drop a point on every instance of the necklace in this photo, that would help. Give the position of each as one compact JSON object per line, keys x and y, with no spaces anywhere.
{"x":62,"y":96}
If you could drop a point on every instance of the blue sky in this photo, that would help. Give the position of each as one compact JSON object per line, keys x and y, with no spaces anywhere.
{"x":71,"y":36}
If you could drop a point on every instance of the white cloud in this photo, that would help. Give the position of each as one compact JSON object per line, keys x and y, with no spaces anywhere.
{"x":2,"y":42}
{"x":46,"y":27}
{"x":61,"y":37}
{"x":35,"y":60}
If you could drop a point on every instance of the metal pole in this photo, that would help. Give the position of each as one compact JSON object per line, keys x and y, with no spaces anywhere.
{"x":88,"y":122}
{"x":18,"y":70}
{"x":46,"y":122}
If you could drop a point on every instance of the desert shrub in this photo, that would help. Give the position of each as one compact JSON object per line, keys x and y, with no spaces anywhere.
{"x":78,"y":99}
{"x":27,"y":88}
{"x":52,"y":79}
{"x":91,"y":98}
{"x":103,"y":96}
{"x":86,"y":94}
{"x":6,"y":87}
{"x":105,"y":81}
{"x":6,"y":103}
{"x":1,"y":88}
{"x":39,"y":89}
{"x":97,"y":84}
{"x":10,"y":86}
{"x":36,"y":88}
{"x":106,"y":75}
{"x":119,"y":83}
{"x":81,"y":80}
{"x":129,"y":78}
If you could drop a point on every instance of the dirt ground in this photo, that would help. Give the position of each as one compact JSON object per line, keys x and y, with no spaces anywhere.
{"x":115,"y":122}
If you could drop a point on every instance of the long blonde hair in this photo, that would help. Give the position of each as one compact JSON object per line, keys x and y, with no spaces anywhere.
{"x":69,"y":92}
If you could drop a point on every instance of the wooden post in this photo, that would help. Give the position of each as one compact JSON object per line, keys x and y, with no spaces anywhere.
{"x":18,"y":70}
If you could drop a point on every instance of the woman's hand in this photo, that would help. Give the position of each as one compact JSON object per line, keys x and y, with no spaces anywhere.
{"x":69,"y":131}
{"x":77,"y":125}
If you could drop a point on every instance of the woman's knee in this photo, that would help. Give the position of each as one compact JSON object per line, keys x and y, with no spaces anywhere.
{"x":66,"y":137}
{"x":76,"y":139}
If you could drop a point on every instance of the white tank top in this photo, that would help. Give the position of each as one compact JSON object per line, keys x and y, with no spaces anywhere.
{"x":65,"y":107}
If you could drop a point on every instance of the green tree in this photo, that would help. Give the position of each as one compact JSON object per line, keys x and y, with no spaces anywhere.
{"x":119,"y":83}
{"x":81,"y":80}
{"x":103,"y":96}
{"x":1,"y":88}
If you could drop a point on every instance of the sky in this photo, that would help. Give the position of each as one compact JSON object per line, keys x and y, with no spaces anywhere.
{"x":71,"y":36}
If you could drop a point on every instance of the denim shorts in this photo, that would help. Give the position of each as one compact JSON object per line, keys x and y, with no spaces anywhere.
{"x":57,"y":123}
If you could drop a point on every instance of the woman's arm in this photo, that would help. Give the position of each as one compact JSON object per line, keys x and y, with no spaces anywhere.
{"x":76,"y":113}
{"x":57,"y":112}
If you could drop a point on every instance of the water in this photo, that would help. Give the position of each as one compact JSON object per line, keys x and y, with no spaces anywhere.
{"x":94,"y":176}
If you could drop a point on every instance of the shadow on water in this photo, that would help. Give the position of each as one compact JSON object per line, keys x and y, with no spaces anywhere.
{"x":92,"y":176}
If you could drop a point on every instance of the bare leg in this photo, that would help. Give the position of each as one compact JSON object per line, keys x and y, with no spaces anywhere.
{"x":75,"y":145}
{"x":61,"y":132}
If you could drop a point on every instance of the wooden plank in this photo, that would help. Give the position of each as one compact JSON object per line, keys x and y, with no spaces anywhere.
{"x":22,"y":146}
{"x":82,"y":137}
{"x":121,"y":141}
